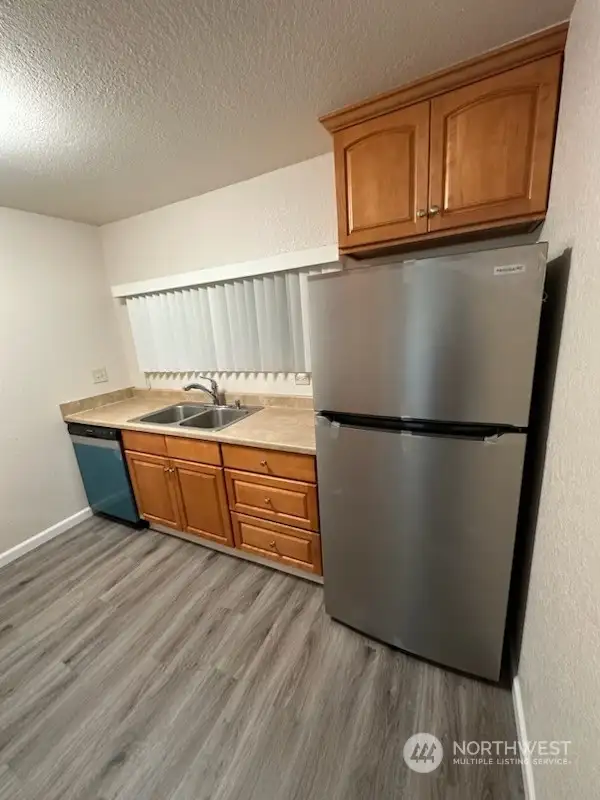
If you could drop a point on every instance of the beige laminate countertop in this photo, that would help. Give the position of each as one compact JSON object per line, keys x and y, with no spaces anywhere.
{"x":273,"y":427}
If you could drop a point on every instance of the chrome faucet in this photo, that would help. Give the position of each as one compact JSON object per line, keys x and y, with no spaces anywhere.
{"x":213,"y":391}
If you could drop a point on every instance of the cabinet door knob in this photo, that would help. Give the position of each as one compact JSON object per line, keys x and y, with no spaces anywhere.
{"x":272,"y":543}
{"x":268,"y":501}
{"x":433,"y":210}
{"x":263,"y":463}
{"x":421,"y":213}
{"x":165,"y":469}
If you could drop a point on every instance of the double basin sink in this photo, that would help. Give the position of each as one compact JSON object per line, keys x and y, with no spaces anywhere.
{"x":198,"y":415}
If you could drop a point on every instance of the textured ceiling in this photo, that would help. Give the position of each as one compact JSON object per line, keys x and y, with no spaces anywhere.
{"x":113,"y":107}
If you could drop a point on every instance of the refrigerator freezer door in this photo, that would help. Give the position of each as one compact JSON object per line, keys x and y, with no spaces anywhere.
{"x":450,"y":338}
{"x":418,"y":535}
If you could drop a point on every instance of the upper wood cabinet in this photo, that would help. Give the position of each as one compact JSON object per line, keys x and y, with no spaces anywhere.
{"x":179,"y":483}
{"x":381,"y":169}
{"x":491,"y":147}
{"x":459,"y":153}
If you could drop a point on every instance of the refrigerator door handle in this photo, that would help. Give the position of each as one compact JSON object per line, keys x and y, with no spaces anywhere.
{"x":415,"y":428}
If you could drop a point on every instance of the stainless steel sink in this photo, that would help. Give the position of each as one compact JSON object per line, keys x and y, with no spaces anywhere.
{"x":174,"y":414}
{"x":216,"y":418}
{"x":198,"y":415}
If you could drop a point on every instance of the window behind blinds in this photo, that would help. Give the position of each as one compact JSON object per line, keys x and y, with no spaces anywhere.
{"x":257,"y":324}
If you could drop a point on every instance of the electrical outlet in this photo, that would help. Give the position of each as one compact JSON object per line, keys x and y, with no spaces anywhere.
{"x":302,"y":379}
{"x":100,"y":375}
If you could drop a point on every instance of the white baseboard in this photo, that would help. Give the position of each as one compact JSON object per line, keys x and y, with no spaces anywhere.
{"x":522,"y":734}
{"x":44,"y":536}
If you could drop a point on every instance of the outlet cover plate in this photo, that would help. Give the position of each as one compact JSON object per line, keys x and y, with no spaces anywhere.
{"x":100,"y":375}
{"x":302,"y":379}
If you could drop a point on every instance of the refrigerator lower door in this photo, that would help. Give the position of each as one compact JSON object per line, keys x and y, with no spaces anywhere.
{"x":418,"y":535}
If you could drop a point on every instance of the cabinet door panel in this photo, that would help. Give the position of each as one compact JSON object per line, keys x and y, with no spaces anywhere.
{"x":382,"y":176}
{"x":153,"y":487}
{"x":491,"y":146}
{"x":203,"y":501}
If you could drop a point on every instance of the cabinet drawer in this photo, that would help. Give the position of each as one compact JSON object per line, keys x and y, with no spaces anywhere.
{"x":291,"y":502}
{"x":296,"y":548}
{"x":270,"y":462}
{"x":145,"y":442}
{"x":194,"y":450}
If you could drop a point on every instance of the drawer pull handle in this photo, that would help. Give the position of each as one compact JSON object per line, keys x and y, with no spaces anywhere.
{"x":272,"y":543}
{"x":263,"y":462}
{"x":268,"y":501}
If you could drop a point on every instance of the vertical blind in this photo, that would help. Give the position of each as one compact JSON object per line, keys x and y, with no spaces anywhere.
{"x":257,"y":324}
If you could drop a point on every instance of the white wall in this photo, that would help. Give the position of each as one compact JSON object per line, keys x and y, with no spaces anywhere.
{"x":287,"y":210}
{"x":560,"y":658}
{"x":56,"y":324}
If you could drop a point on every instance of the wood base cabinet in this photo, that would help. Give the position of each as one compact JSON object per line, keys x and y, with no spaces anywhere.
{"x":182,"y":495}
{"x":462,"y":152}
{"x":267,"y":507}
{"x":274,"y":508}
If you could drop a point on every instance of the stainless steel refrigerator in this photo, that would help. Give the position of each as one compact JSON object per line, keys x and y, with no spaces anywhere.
{"x":422,"y":376}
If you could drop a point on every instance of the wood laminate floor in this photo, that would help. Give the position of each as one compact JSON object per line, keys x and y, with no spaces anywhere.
{"x":136,"y":665}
